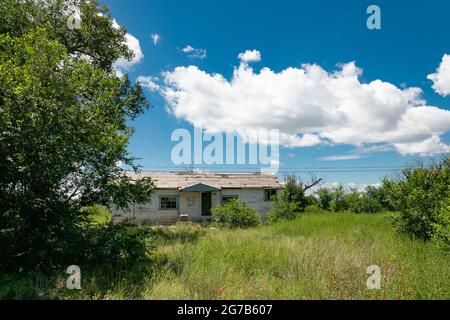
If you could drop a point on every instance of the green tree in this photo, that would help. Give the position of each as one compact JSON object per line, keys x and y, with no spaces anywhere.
{"x":64,"y":128}
{"x":419,"y":195}
{"x":338,"y":202}
{"x":380,"y":195}
{"x":293,"y":200}
{"x":96,"y":39}
{"x":325,"y":198}
{"x":441,"y":228}
{"x":361,"y":201}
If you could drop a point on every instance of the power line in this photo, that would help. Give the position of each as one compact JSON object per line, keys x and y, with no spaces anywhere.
{"x":289,"y":169}
{"x":284,"y":171}
{"x":285,"y":168}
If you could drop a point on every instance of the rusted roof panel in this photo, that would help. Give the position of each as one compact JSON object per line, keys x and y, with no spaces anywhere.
{"x":181,"y":180}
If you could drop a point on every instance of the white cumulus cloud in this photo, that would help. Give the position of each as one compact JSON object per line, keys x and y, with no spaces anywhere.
{"x":308,"y":105}
{"x":149,"y":82}
{"x":441,"y":78}
{"x":132,"y":42}
{"x":250,"y":56}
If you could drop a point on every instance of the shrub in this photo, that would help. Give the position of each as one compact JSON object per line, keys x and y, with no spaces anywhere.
{"x":283,"y":209}
{"x":421,"y":195}
{"x":441,"y":228}
{"x":380,"y":195}
{"x":122,"y":246}
{"x":312,"y":200}
{"x":325,"y":198}
{"x":292,"y":200}
{"x":338,"y":202}
{"x":98,"y":214}
{"x":360,"y":202}
{"x":373,"y":199}
{"x":233,"y":215}
{"x":314,"y":208}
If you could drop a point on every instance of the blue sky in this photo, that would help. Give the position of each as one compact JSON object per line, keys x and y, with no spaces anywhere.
{"x":410,"y":45}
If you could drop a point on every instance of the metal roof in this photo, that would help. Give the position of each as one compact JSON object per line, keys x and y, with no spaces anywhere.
{"x":181,"y":180}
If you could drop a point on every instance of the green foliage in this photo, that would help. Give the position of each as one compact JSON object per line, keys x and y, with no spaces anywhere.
{"x":312,"y":200}
{"x":294,"y":192}
{"x":380,"y":195}
{"x":419,"y":195}
{"x":233,"y":215}
{"x":280,"y":261}
{"x":359,"y":202}
{"x":115,"y":245}
{"x":325,"y":197}
{"x":441,"y":232}
{"x":314,"y":208}
{"x":96,"y":39}
{"x":97,"y":214}
{"x":336,"y":199}
{"x":64,"y":123}
{"x":282,"y":209}
{"x":338,"y":203}
{"x":292,"y":201}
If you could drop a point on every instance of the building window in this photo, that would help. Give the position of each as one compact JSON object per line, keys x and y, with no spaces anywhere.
{"x":269,"y":194}
{"x":225,"y":199}
{"x":168,"y":202}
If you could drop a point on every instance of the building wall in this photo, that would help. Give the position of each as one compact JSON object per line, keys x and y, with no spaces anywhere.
{"x":253,"y":197}
{"x":149,"y":212}
{"x":189,"y":203}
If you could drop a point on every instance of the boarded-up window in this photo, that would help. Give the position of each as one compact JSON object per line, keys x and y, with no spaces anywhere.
{"x":269,"y":194}
{"x":168,"y":202}
{"x":225,"y":199}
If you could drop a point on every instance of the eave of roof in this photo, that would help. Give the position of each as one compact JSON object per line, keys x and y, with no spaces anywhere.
{"x":200,"y":187}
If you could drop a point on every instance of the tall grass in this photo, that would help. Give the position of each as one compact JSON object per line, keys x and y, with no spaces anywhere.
{"x":316,"y":256}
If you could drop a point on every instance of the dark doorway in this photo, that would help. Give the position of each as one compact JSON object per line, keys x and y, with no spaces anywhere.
{"x":206,"y":203}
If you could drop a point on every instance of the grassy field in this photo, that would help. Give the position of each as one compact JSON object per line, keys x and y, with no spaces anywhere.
{"x":317,"y":256}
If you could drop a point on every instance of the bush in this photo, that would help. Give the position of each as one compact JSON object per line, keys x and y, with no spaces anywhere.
{"x":441,"y":228}
{"x":98,"y":214}
{"x":293,"y":200}
{"x":312,"y":200}
{"x":232,"y":215}
{"x":314,"y":208}
{"x":92,"y":241}
{"x":338,"y":203}
{"x":283,"y":209}
{"x":421,"y":196}
{"x":122,"y":245}
{"x":380,"y":195}
{"x":361,"y":202}
{"x":337,"y":200}
{"x":325,"y":198}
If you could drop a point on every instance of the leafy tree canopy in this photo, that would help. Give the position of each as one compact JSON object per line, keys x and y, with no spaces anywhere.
{"x":96,"y":38}
{"x":63,"y":120}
